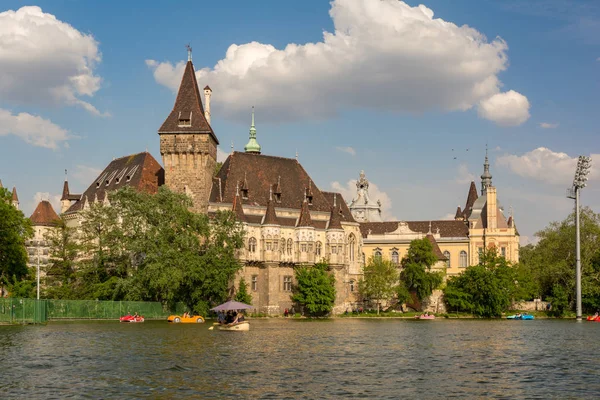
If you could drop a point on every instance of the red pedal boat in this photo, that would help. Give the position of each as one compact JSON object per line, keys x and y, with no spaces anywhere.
{"x":594,"y":318}
{"x":131,"y":318}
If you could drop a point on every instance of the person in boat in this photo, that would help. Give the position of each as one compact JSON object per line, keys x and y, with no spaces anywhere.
{"x":135,"y":315}
{"x":220,"y":317}
{"x":238,"y":318}
{"x":596,"y":315}
{"x":286,"y":313}
{"x":229,"y":318}
{"x":186,"y":314}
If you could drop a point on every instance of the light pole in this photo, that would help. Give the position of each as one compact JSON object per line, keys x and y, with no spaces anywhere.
{"x":38,"y":273}
{"x":584,"y":164}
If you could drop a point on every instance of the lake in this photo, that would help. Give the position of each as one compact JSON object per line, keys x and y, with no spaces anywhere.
{"x":290,"y":359}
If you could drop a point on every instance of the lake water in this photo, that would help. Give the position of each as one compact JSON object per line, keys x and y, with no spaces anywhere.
{"x":289,"y":359}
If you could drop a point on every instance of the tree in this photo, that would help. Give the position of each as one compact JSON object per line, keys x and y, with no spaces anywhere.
{"x":551,"y":261}
{"x":15,"y":229}
{"x":242,"y":294}
{"x":416,"y":275}
{"x":315,"y":289}
{"x":486,"y":289}
{"x":218,"y":166}
{"x":380,"y":281}
{"x":61,"y":272}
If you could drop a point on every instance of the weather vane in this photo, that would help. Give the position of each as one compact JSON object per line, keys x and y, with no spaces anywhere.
{"x":189,"y":49}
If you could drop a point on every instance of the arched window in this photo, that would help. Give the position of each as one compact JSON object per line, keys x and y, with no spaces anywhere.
{"x":351,"y":286}
{"x":282,"y":247}
{"x":377,"y":254}
{"x":252,"y":245}
{"x":290,"y":245}
{"x":463,"y":259}
{"x":351,"y":245}
{"x":395,"y":257}
{"x":447,"y":255}
{"x":318,"y":248}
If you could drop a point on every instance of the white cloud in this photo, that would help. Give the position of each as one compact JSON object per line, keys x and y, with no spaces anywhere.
{"x":548,"y":125}
{"x":347,"y":149}
{"x":85,"y":174}
{"x":46,"y":61}
{"x":349,"y":192}
{"x":382,"y":55}
{"x":506,"y":109}
{"x":547,"y":166}
{"x":32,"y":129}
{"x":54,"y":199}
{"x":464,"y":176}
{"x":221,"y":155}
{"x":447,"y":217}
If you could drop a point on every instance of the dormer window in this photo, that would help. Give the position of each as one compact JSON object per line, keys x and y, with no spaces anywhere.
{"x":185,"y":119}
{"x":309,"y":196}
{"x":244,"y":193}
{"x":278,"y":197}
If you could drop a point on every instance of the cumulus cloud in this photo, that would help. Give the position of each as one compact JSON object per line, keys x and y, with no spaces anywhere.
{"x":547,"y":166}
{"x":506,"y":109}
{"x":54,"y":199}
{"x":464,"y":176}
{"x":32,"y":129}
{"x":348,"y":191}
{"x":548,"y":125}
{"x":348,"y":149}
{"x":45,"y":61}
{"x":382,"y":55}
{"x":85,"y":174}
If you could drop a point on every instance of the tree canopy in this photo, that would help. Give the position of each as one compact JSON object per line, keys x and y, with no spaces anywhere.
{"x":416,"y":275}
{"x":380,"y":281}
{"x":315,"y":289}
{"x":15,"y":230}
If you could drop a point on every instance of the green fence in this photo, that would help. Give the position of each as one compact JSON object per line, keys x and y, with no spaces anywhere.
{"x":31,"y":311}
{"x":23,"y":311}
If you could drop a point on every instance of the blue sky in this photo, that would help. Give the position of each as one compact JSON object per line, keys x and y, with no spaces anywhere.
{"x":385,"y":87}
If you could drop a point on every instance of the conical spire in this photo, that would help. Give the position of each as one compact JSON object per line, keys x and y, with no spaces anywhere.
{"x":471,"y":197}
{"x":15,"y":197}
{"x":335,"y":219}
{"x":1,"y":184}
{"x":252,"y":146}
{"x":486,"y":177}
{"x":65,"y":193}
{"x":270,"y":215}
{"x":304,"y":219}
{"x":188,"y":113}
{"x":44,"y":214}
{"x":237,"y":208}
{"x":459,"y":214}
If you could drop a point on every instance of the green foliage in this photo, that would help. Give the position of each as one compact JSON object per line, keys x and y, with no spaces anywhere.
{"x":559,"y":301}
{"x":315,"y":289}
{"x":218,"y":167}
{"x":15,"y":229}
{"x":23,"y":288}
{"x":551,"y":261}
{"x":487,"y":289}
{"x":416,"y":275}
{"x":380,"y":282}
{"x":242,"y":294}
{"x":61,"y":273}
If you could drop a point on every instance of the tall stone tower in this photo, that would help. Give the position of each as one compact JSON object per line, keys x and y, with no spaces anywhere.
{"x":188,"y":145}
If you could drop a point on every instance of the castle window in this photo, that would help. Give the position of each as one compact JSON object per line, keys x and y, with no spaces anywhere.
{"x":255,"y":282}
{"x":318,"y":248}
{"x":352,"y":286}
{"x":310,"y":247}
{"x":282,"y":248}
{"x":351,"y":245}
{"x":377,"y":254}
{"x":290,"y":245}
{"x":395,"y":257}
{"x":268,"y":245}
{"x":244,"y":194}
{"x":287,"y":283}
{"x":503,"y":251}
{"x":447,"y":255}
{"x":185,"y":122}
{"x":463,"y":259}
{"x":334,"y":249}
{"x":275,"y":243}
{"x":252,"y":245}
{"x":303,"y":247}
{"x":278,"y":197}
{"x":185,"y":118}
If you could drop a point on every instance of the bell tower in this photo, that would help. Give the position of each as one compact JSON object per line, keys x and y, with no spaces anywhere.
{"x":188,"y":145}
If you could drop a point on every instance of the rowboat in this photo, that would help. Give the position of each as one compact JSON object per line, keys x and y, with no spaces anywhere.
{"x":242,"y":326}
{"x":521,"y":317}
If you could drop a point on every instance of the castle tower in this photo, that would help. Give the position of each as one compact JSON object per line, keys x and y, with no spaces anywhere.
{"x":65,"y":202}
{"x":15,"y":198}
{"x":188,"y":145}
{"x":207,"y":94}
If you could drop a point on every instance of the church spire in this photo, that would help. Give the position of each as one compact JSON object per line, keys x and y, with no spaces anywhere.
{"x":252,"y":146}
{"x":486,"y":177}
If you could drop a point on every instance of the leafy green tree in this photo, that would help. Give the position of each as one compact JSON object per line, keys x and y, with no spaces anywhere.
{"x":486,"y":289}
{"x":61,"y":272}
{"x":416,"y":275}
{"x":242,"y":294}
{"x":559,"y":301}
{"x":315,"y":289}
{"x":380,"y":281}
{"x":218,"y":166}
{"x":15,"y":229}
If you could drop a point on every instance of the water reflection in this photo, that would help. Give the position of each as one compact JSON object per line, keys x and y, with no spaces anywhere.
{"x":302,"y":359}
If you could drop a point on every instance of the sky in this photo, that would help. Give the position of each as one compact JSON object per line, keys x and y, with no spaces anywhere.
{"x":410,"y":93}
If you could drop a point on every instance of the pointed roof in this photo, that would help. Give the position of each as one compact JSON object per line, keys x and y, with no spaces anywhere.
{"x":238,"y":209}
{"x":252,"y":146}
{"x":270,"y":215}
{"x":14,"y":195}
{"x":304,"y":220}
{"x":335,"y":220}
{"x":436,"y":249}
{"x":486,"y":177}
{"x":459,"y":214}
{"x":188,"y":106}
{"x":65,"y":193}
{"x":44,"y":214}
{"x":471,"y":197}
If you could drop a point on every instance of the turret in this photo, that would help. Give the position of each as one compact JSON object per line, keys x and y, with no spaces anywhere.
{"x":15,"y":198}
{"x":486,"y":177}
{"x":207,"y":94}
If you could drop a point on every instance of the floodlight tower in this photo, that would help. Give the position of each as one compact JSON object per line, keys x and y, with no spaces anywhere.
{"x":584,"y":164}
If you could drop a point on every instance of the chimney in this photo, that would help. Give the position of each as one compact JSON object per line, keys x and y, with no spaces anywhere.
{"x":207,"y":93}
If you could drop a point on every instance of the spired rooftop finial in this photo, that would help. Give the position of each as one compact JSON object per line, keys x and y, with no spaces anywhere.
{"x":486,"y":177}
{"x":252,"y":146}
{"x":189,"y":50}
